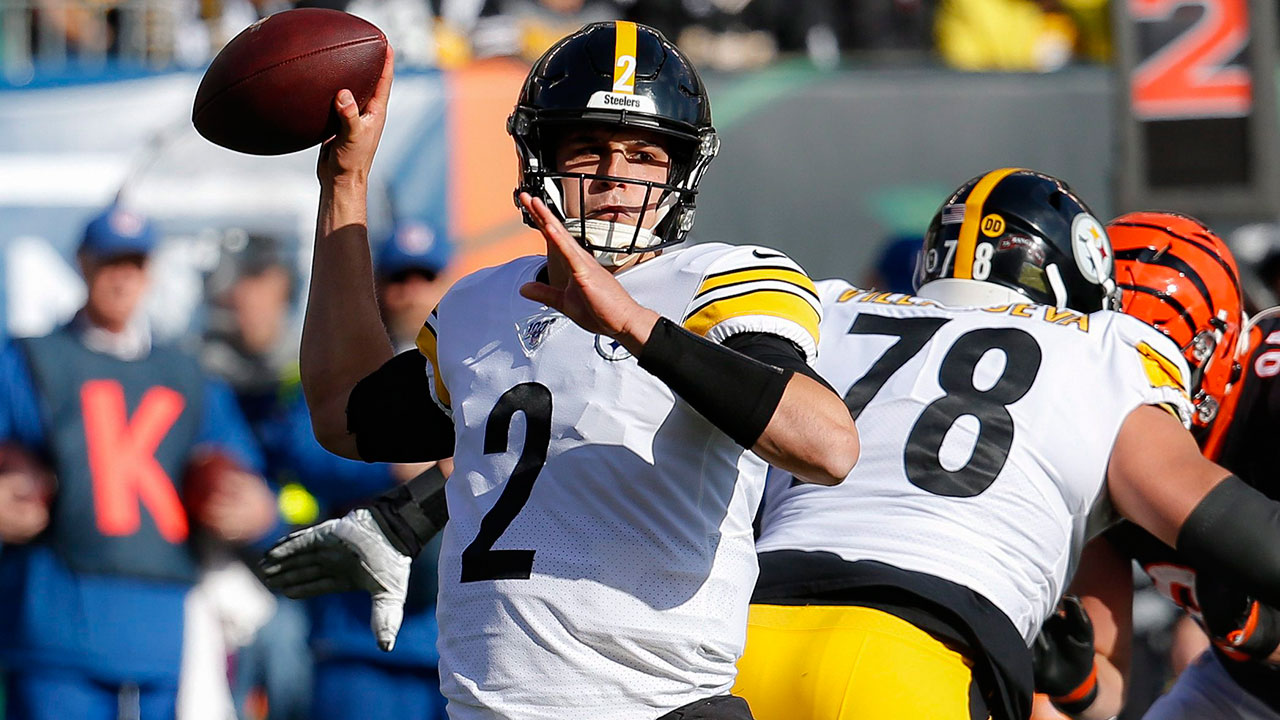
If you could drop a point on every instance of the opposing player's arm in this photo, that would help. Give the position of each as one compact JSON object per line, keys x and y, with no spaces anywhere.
{"x":1158,"y":478}
{"x":342,"y":338}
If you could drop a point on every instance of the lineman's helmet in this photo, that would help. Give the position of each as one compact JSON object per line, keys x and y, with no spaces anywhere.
{"x":1015,"y":235}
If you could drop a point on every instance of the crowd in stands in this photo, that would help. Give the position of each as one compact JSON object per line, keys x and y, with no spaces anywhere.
{"x":158,"y":612}
{"x":725,"y":35}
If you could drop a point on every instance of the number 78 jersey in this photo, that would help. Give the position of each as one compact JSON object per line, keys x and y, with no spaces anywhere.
{"x":985,"y":434}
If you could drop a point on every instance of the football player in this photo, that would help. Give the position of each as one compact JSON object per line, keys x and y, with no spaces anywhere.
{"x":1002,"y":412}
{"x":1180,"y":277}
{"x":609,"y":407}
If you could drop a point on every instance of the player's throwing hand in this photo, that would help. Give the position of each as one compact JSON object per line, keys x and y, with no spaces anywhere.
{"x":349,"y":154}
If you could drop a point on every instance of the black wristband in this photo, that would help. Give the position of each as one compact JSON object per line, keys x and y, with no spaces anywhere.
{"x":735,"y":393}
{"x":412,"y":513}
{"x":1233,"y":530}
{"x":1079,"y":699}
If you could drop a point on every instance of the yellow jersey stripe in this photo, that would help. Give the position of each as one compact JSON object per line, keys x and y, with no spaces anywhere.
{"x":769,"y":301}
{"x":624,"y":46}
{"x":746,"y":275}
{"x":426,"y":343}
{"x":963,"y":262}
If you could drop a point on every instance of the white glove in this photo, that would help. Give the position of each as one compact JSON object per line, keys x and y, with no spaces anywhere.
{"x":349,"y":553}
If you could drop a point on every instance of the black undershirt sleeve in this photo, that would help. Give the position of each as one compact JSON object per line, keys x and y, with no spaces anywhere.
{"x":393,"y":417}
{"x":774,"y":350}
{"x":734,"y":391}
{"x":1234,"y":531}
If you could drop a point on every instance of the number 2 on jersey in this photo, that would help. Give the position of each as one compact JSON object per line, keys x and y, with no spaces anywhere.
{"x":480,"y":561}
{"x":922,"y":456}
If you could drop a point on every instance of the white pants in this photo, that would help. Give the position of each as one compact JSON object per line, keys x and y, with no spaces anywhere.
{"x":1204,"y":691}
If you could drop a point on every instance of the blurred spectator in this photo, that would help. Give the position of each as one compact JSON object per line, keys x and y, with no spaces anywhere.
{"x":735,"y":35}
{"x":251,"y":333}
{"x":92,"y":611}
{"x":879,"y":25}
{"x":26,"y":491}
{"x":412,"y":274}
{"x":251,"y":342}
{"x":520,"y":28}
{"x":411,"y":265}
{"x":1017,"y":35}
{"x":895,"y":266}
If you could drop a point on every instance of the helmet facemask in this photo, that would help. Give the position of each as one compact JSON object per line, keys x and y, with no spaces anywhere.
{"x":612,"y":242}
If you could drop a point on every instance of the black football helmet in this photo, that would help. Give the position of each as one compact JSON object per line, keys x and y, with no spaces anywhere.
{"x":1024,"y":231}
{"x":619,"y":74}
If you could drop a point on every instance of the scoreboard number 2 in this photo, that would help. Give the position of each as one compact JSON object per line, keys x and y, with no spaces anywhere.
{"x":1190,"y":76}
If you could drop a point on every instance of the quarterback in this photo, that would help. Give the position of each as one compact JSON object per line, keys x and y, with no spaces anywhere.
{"x":1005,"y":412}
{"x":610,"y":408}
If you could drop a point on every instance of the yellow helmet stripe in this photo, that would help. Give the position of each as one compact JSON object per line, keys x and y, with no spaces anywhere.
{"x":963,"y":262}
{"x":624,"y":57}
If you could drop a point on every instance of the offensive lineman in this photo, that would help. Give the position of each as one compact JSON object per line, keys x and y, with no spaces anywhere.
{"x":1002,"y":413}
{"x":598,"y":557}
{"x":1180,"y":277}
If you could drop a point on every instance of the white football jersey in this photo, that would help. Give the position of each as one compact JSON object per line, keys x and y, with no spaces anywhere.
{"x":985,"y":434}
{"x":598,"y":560}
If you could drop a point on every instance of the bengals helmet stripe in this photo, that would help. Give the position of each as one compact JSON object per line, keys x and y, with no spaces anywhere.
{"x":1172,"y":260}
{"x":973,"y":219}
{"x":1179,"y":277}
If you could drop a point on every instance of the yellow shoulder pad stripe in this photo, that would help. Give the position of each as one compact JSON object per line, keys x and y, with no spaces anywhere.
{"x":771,"y":302}
{"x":746,"y":275}
{"x":1160,"y":370}
{"x":426,"y":343}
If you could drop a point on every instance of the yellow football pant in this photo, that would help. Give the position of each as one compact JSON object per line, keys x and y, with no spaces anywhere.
{"x":822,"y":662}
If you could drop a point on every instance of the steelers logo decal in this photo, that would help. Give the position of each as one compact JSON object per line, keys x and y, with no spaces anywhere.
{"x":611,"y":349}
{"x":1092,"y":248}
{"x":992,"y":225}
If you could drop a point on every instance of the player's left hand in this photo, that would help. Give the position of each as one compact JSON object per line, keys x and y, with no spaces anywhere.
{"x":349,"y":553}
{"x":1063,"y":651}
{"x":591,"y":296}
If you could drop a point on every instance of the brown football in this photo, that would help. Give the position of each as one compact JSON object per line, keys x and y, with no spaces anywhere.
{"x":270,"y":90}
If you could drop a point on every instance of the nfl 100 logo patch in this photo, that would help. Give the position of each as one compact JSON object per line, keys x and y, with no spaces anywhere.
{"x":534,"y":330}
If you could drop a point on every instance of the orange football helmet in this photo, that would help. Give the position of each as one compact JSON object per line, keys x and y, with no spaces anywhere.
{"x":1178,"y":276}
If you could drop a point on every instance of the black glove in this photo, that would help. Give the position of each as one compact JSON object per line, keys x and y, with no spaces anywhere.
{"x":1240,"y":626}
{"x":1063,"y":657}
